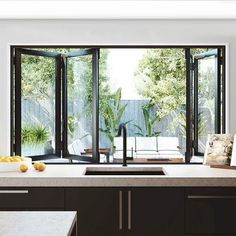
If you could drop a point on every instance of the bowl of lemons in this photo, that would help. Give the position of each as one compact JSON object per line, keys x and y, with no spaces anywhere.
{"x":14,"y":163}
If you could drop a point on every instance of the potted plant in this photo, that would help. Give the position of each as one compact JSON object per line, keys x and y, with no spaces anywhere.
{"x":34,"y":139}
{"x":150,"y":122}
{"x":112,"y":116}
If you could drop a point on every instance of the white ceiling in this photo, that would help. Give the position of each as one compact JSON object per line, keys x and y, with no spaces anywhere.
{"x":124,"y":9}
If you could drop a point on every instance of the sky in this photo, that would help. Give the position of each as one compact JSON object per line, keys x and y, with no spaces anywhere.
{"x":122,"y":64}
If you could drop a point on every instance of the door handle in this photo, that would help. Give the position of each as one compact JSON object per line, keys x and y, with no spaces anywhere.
{"x":212,"y":197}
{"x":129,"y":210}
{"x":14,"y":191}
{"x":120,"y":210}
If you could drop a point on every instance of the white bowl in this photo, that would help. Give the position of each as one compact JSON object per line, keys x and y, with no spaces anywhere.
{"x":14,"y":166}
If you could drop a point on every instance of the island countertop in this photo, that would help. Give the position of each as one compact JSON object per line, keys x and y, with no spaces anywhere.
{"x":28,"y":223}
{"x":72,"y":175}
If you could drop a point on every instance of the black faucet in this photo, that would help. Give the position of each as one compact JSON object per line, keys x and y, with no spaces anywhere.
{"x":121,"y":128}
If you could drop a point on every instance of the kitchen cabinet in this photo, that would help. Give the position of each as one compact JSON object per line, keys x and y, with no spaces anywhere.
{"x":98,"y":210}
{"x":155,"y":211}
{"x":210,"y":211}
{"x":14,"y":199}
{"x":127,"y":211}
{"x":134,"y":211}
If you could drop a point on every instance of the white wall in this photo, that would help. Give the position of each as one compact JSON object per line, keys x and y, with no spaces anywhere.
{"x":92,"y":32}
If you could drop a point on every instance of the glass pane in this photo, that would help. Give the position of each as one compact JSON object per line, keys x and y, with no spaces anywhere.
{"x":79,"y":105}
{"x":207,"y":75}
{"x":144,"y":88}
{"x":38,"y":105}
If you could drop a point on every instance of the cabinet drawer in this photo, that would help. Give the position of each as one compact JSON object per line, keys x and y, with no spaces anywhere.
{"x":210,"y":211}
{"x":99,"y":210}
{"x":31,"y":198}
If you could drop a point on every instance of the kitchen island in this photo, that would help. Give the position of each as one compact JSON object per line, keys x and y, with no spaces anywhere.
{"x":28,"y":223}
{"x":186,"y":200}
{"x":73,"y":175}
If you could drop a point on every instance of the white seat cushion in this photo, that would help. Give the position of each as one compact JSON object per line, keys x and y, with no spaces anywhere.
{"x":146,"y":144}
{"x":167,"y":143}
{"x":118,"y":143}
{"x":119,"y":154}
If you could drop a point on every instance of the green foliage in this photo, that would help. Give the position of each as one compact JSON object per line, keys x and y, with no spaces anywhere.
{"x":202,"y":122}
{"x":34,"y":134}
{"x":38,"y":78}
{"x":112,"y":115}
{"x":80,"y":82}
{"x":72,"y":122}
{"x":26,"y":135}
{"x":38,"y":84}
{"x":161,"y":78}
{"x":149,"y":121}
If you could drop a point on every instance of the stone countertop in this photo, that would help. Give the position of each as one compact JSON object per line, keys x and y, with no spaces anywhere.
{"x":72,"y":175}
{"x":25,"y":223}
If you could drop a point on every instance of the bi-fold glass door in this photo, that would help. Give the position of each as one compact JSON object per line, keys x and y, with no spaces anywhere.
{"x":80,"y":105}
{"x":56,"y":100}
{"x":37,"y":103}
{"x":206,"y":96}
{"x":55,"y":97}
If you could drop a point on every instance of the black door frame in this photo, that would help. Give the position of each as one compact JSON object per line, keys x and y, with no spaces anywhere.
{"x":95,"y":108}
{"x":17,"y":98}
{"x":189,"y":112}
{"x":217,"y":53}
{"x":189,"y":80}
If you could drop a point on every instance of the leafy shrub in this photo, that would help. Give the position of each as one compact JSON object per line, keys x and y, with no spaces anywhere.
{"x":34,"y":134}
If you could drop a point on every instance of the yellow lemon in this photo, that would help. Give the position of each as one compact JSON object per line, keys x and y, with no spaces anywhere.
{"x":19,"y":157}
{"x":41,"y":166}
{"x":36,"y":165}
{"x":23,"y":168}
{"x":15,"y":159}
{"x":6,"y":159}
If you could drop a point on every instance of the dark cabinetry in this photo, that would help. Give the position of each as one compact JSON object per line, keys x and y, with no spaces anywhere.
{"x":156,"y":211}
{"x":31,"y":199}
{"x":150,"y":211}
{"x":127,"y":211}
{"x":97,"y":210}
{"x":210,"y":211}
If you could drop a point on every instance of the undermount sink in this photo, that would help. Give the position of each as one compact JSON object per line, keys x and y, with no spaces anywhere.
{"x":125,"y":171}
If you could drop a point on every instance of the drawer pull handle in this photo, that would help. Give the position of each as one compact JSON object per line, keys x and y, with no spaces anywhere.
{"x":120,"y":210}
{"x":129,"y":211}
{"x":211,"y":197}
{"x":14,"y":191}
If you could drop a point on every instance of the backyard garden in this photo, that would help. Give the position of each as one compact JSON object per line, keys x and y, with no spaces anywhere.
{"x":143,"y":88}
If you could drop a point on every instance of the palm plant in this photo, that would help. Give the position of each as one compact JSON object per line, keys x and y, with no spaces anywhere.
{"x":150,"y":122}
{"x":112,"y":116}
{"x":40,"y":134}
{"x":34,"y":134}
{"x":202,"y":122}
{"x":26,"y":135}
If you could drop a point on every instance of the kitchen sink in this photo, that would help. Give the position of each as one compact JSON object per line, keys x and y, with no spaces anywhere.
{"x":124,"y":171}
